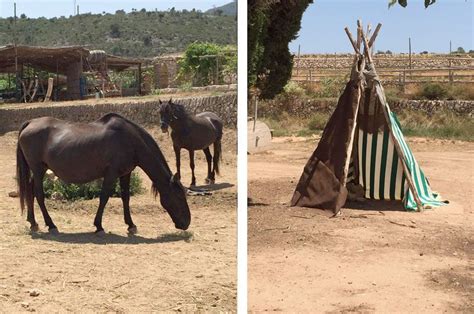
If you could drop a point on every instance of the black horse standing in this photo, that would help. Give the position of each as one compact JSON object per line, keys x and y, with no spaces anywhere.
{"x":193,"y":133}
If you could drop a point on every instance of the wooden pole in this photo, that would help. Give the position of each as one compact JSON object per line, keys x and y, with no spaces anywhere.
{"x":409,"y":53}
{"x":139,"y":79}
{"x":374,"y":35}
{"x":352,"y":40}
{"x":255,"y":113}
{"x":15,"y":40}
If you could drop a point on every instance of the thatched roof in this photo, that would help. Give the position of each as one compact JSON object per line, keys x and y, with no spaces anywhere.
{"x":45,"y":58}
{"x":54,"y":59}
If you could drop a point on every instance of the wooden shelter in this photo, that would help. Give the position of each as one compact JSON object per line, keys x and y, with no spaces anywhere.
{"x":70,"y":61}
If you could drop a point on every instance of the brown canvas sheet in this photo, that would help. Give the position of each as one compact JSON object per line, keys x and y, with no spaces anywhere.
{"x":321,"y":184}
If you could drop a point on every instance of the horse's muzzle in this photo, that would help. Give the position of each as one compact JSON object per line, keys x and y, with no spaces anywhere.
{"x":164,"y":127}
{"x":182,"y":227}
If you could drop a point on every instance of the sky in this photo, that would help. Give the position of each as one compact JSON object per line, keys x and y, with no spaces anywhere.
{"x":431,"y":29}
{"x":52,"y":8}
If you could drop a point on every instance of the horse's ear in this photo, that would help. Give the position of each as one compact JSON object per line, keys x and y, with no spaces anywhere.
{"x":170,"y":101}
{"x":160,"y":101}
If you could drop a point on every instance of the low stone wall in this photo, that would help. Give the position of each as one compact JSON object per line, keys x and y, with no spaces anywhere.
{"x":395,"y":61}
{"x":144,"y":112}
{"x":304,"y":108}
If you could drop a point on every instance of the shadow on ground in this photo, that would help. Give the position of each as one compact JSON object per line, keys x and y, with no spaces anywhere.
{"x":111,"y":238}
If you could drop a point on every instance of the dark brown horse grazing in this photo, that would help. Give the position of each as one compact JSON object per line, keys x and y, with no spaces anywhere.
{"x":108,"y":148}
{"x":193,"y":133}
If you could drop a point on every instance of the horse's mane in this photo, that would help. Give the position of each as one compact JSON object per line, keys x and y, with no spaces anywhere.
{"x":149,"y":141}
{"x":180,"y":111}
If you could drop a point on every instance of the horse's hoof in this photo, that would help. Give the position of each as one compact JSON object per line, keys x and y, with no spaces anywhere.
{"x":100,"y":233}
{"x":132,"y":230}
{"x":34,"y":228}
{"x":53,"y":231}
{"x":210,"y":181}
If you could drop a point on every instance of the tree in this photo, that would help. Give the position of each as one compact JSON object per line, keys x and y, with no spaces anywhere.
{"x":115,"y":30}
{"x":147,"y":40}
{"x":460,"y":50}
{"x":272,"y":25}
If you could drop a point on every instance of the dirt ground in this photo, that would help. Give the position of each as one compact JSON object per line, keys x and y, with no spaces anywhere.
{"x":376,"y":257}
{"x":159,"y":269}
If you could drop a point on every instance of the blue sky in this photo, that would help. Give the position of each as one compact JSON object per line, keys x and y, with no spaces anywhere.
{"x":51,"y":8}
{"x":322,"y":27}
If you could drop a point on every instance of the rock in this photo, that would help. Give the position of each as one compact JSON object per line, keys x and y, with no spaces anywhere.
{"x":13,"y":194}
{"x":34,"y":292}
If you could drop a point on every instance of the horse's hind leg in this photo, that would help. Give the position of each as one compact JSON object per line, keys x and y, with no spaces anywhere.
{"x":191,"y":164}
{"x":125,"y":189}
{"x":210,"y":175}
{"x":30,"y":204}
{"x":107,"y":186}
{"x":39,"y":194}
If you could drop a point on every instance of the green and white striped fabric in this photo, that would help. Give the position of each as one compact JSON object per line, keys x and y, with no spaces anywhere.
{"x":427,"y":197}
{"x":381,"y":172}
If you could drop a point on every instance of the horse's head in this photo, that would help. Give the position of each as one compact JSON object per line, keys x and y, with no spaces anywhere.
{"x":169,"y":113}
{"x":173,"y":199}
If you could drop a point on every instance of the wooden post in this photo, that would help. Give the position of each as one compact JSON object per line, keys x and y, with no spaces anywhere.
{"x":17,"y":74}
{"x":409,"y":53}
{"x":139,"y":78}
{"x":255,"y":113}
{"x":450,"y":47}
{"x":297,"y":68}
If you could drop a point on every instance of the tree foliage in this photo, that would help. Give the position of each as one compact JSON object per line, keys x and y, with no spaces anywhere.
{"x":272,"y":25}
{"x":207,"y":63}
{"x":404,"y":3}
{"x":134,"y":34}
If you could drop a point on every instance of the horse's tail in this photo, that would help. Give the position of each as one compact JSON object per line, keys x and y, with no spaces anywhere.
{"x":217,"y":151}
{"x":23,"y":180}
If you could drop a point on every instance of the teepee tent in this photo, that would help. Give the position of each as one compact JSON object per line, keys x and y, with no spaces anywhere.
{"x":362,"y":147}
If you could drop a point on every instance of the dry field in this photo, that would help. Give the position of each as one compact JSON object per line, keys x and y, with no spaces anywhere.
{"x":159,"y":269}
{"x":376,"y":257}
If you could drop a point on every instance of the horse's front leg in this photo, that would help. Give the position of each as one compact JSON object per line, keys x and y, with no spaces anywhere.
{"x":177,"y":152}
{"x":125,"y":193}
{"x":191,"y":164}
{"x":107,"y":187}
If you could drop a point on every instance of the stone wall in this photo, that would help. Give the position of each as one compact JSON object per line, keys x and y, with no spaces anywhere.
{"x":304,"y":108}
{"x":144,"y":112}
{"x":396,"y":61}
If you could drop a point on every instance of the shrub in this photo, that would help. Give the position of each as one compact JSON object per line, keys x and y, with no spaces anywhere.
{"x":318,"y":121}
{"x":433,"y":91}
{"x":293,"y":89}
{"x":331,"y":87}
{"x":87,"y":191}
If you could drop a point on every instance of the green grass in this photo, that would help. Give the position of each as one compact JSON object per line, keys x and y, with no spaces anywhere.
{"x":87,"y":191}
{"x":444,"y":125}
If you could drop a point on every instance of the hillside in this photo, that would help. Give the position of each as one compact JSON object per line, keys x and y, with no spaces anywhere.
{"x":136,"y":34}
{"x":226,"y":9}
